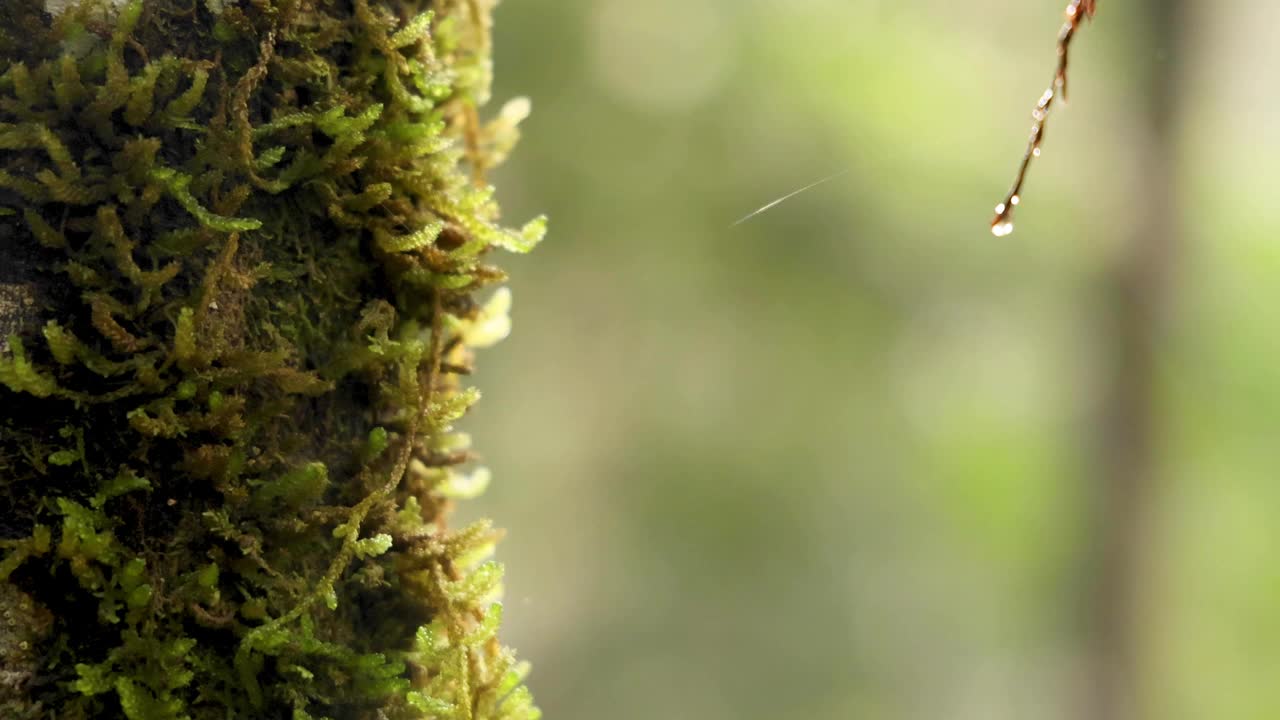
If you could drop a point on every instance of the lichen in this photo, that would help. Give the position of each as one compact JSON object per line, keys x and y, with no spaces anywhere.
{"x":23,"y":627}
{"x":228,"y":453}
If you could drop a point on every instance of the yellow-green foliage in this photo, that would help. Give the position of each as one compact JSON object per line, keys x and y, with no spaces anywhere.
{"x":226,"y":459}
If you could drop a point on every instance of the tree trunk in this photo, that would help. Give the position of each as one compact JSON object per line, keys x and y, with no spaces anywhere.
{"x":1133,"y":318}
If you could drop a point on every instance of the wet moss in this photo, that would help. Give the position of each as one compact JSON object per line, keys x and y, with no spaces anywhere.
{"x":229,"y":451}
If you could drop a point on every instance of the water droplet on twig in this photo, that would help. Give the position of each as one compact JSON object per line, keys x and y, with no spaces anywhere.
{"x":1077,"y":12}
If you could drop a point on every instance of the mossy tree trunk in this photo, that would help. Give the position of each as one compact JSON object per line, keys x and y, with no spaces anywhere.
{"x":241,"y":242}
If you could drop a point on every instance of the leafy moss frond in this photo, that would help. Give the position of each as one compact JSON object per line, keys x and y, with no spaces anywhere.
{"x":19,"y":375}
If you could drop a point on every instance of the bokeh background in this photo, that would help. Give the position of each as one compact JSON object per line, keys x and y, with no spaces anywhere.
{"x":850,"y":459}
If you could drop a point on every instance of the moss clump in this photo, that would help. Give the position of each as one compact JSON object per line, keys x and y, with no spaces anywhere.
{"x":227,"y":457}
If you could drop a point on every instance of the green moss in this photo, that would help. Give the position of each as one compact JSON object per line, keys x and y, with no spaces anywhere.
{"x":229,"y":453}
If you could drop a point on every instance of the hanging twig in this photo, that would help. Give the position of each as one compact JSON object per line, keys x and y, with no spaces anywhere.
{"x":1077,"y":11}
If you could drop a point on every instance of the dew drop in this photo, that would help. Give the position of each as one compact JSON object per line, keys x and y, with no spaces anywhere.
{"x":1002,"y":228}
{"x":1015,"y":200}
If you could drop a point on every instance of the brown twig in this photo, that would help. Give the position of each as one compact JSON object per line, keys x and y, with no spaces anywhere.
{"x":1077,"y":11}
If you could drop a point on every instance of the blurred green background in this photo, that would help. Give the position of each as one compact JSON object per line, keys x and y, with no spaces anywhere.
{"x":842,"y":461}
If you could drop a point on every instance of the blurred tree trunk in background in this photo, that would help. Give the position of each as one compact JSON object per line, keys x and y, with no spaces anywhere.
{"x":1130,"y":325}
